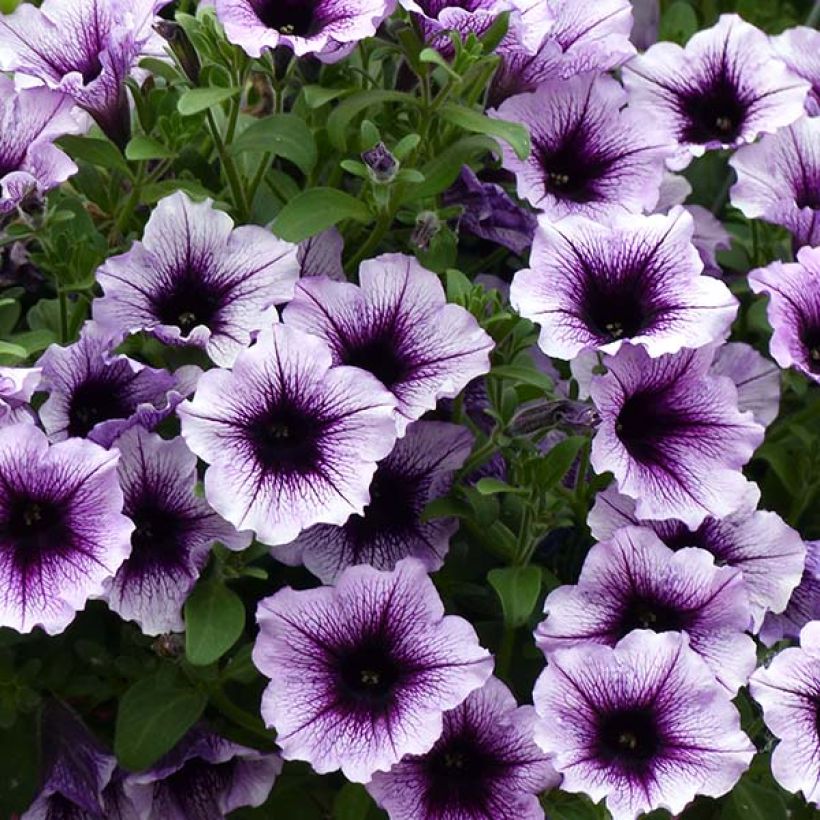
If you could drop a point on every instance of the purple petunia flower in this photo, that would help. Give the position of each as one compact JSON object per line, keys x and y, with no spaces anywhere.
{"x":724,"y":89}
{"x":644,"y":725}
{"x":490,"y":212}
{"x":30,"y":119}
{"x":634,"y":581}
{"x":672,"y":435}
{"x":646,"y":23}
{"x":196,"y":280}
{"x":485,"y":764}
{"x":398,"y":326}
{"x":435,"y":18}
{"x":291,"y":441}
{"x":17,"y":385}
{"x":327,"y":29}
{"x":174,"y":531}
{"x":204,"y":777}
{"x":589,"y":154}
{"x":84,"y":48}
{"x":419,"y":469}
{"x":321,"y":255}
{"x":799,"y":49}
{"x":789,"y":691}
{"x":97,"y":394}
{"x":794,"y":310}
{"x":62,"y":535}
{"x":756,"y":378}
{"x":362,"y":672}
{"x":766,"y":550}
{"x":593,"y":286}
{"x":778,"y":180}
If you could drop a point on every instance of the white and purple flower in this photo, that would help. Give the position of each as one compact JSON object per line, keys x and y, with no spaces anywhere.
{"x":799,"y":49}
{"x":17,"y":386}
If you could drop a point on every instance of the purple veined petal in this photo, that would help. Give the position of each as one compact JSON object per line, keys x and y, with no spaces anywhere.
{"x":637,"y":280}
{"x":778,"y":180}
{"x":361,"y":673}
{"x":419,"y":469}
{"x":205,"y":777}
{"x":643,"y":725}
{"x":321,"y":255}
{"x":634,"y":581}
{"x":788,"y":691}
{"x":756,"y":378}
{"x":723,"y":90}
{"x":799,"y":49}
{"x":327,"y":29}
{"x":672,"y":434}
{"x":197,"y":280}
{"x":590,"y":155}
{"x":485,"y":764}
{"x":174,"y":531}
{"x":17,"y":386}
{"x":768,"y":552}
{"x":794,"y":310}
{"x":62,"y":533}
{"x":291,"y":441}
{"x":398,"y":326}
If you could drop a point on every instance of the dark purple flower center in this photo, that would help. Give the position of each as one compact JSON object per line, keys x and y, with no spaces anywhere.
{"x":807,"y":191}
{"x":392,"y":509}
{"x":715,"y":112}
{"x":34,"y":527}
{"x":570,"y":170}
{"x":190,"y":302}
{"x":94,"y":401}
{"x":810,"y":336}
{"x":629,"y":737}
{"x":368,"y":673}
{"x":286,"y":439}
{"x":615,"y":305}
{"x":379,"y":354}
{"x":643,"y":612}
{"x":61,"y":808}
{"x":646,"y":423}
{"x":708,"y":536}
{"x":195,"y":789}
{"x":297,"y":17}
{"x":158,"y":537}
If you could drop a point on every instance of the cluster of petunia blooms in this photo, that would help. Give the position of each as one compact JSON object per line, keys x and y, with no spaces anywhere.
{"x":312,"y":424}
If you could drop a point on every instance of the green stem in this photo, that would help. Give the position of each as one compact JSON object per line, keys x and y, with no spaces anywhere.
{"x":495,"y":539}
{"x":523,"y":546}
{"x":383,"y":223}
{"x":232,"y":175}
{"x":130,"y":204}
{"x":239,"y":716}
{"x":503,"y":659}
{"x":258,"y":177}
{"x":63,"y":316}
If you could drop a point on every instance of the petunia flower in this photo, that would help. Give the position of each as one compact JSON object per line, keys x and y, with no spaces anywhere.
{"x":672,"y":435}
{"x":778,"y":180}
{"x":321,"y":255}
{"x":196,"y":280}
{"x":799,"y":49}
{"x":174,"y":531}
{"x":419,"y":469}
{"x":767,"y":551}
{"x":637,"y":279}
{"x":788,"y":690}
{"x":644,"y":724}
{"x":291,"y":441}
{"x":793,"y":289}
{"x":589,"y":154}
{"x":723,"y":90}
{"x":361,"y":673}
{"x":397,"y":325}
{"x":485,"y":764}
{"x":205,"y":777}
{"x":634,"y":581}
{"x":327,"y":29}
{"x":62,"y":533}
{"x":756,"y":378}
{"x":17,"y":386}
{"x":30,"y":120}
{"x":83,"y":48}
{"x":98,"y":394}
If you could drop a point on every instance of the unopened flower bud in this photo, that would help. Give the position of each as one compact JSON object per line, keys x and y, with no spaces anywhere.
{"x":427,"y":226}
{"x":181,"y":46}
{"x":383,"y":166}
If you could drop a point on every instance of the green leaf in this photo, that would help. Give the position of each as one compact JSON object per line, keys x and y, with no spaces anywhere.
{"x":518,"y":589}
{"x":12,"y":350}
{"x":512,"y":133}
{"x":754,"y":801}
{"x":352,"y":803}
{"x":315,"y":96}
{"x":458,"y":287}
{"x":553,"y":467}
{"x":200,"y":99}
{"x":524,"y":375}
{"x":283,"y":135}
{"x":445,"y":508}
{"x":214,"y":619}
{"x":679,"y":22}
{"x":492,"y":486}
{"x":153,"y":716}
{"x":142,"y":147}
{"x":95,"y":151}
{"x":344,"y":113}
{"x":316,"y":209}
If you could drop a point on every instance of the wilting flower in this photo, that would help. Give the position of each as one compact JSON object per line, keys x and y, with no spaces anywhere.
{"x":490,"y":212}
{"x":766,"y":550}
{"x":174,"y":530}
{"x":788,"y":692}
{"x":804,"y":605}
{"x":633,"y":581}
{"x":778,"y":180}
{"x":84,"y":48}
{"x":62,"y":535}
{"x":724,"y":89}
{"x":419,"y":469}
{"x":672,"y":435}
{"x":644,"y":725}
{"x":398,"y":326}
{"x":594,"y":286}
{"x":756,"y":378}
{"x":799,"y":49}
{"x":362,"y":672}
{"x":196,"y":280}
{"x":793,"y":289}
{"x":589,"y":154}
{"x":321,"y":255}
{"x":204,"y":777}
{"x":97,"y":394}
{"x":291,"y":441}
{"x":17,"y":385}
{"x":30,"y":163}
{"x":327,"y":29}
{"x":485,"y":764}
